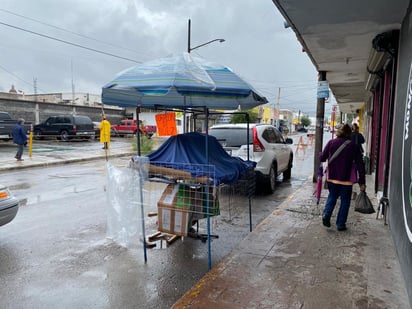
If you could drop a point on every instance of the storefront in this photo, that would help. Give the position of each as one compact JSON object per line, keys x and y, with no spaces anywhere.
{"x":365,"y":50}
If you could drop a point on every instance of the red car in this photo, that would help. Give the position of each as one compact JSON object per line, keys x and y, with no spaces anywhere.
{"x":128,"y":126}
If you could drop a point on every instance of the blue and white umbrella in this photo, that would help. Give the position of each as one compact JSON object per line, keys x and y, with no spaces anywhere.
{"x":182,"y":81}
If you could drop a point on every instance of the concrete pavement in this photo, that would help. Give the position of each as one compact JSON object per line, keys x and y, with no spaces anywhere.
{"x":290,"y":260}
{"x":46,"y":154}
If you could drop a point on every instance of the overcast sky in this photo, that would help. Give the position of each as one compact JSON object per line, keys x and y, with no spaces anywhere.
{"x":257,"y":46}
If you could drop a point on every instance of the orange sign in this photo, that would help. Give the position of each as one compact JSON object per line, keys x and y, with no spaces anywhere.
{"x":166,"y":124}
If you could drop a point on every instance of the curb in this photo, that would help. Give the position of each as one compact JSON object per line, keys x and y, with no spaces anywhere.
{"x":63,"y":161}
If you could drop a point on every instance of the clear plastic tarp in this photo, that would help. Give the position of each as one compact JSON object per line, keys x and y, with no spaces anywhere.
{"x":125,"y":215}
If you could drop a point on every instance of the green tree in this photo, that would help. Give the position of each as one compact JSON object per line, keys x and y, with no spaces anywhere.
{"x":240,"y":118}
{"x":146,"y":144}
{"x":305,"y":121}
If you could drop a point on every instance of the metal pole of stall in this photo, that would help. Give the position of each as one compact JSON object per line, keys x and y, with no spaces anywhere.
{"x":209,"y":246}
{"x":141,"y":184}
{"x":141,"y":180}
{"x":248,"y":186}
{"x":184,"y":115}
{"x":138,"y":130}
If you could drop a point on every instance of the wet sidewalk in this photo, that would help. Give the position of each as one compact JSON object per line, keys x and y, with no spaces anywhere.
{"x":289,"y":261}
{"x":47,"y":154}
{"x":292,"y":261}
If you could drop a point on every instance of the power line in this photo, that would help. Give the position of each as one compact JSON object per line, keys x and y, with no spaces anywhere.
{"x":68,"y":31}
{"x":69,"y":43}
{"x":18,"y":77}
{"x":290,"y":93}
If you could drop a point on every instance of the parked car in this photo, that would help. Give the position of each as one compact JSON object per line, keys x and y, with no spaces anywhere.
{"x":129,"y":126}
{"x":96,"y":127}
{"x":7,"y":124}
{"x":65,"y":127}
{"x":311,"y":130}
{"x":9,"y":205}
{"x":267,"y":148}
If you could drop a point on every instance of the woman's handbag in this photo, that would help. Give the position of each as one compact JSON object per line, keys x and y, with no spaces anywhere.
{"x":363,"y":204}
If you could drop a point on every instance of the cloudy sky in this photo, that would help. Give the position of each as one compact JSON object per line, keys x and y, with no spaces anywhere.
{"x":113,"y":35}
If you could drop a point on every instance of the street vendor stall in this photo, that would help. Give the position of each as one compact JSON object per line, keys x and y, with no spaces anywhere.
{"x":185,"y":83}
{"x":194,"y":187}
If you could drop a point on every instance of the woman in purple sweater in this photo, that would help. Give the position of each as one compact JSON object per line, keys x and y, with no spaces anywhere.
{"x":339,"y":171}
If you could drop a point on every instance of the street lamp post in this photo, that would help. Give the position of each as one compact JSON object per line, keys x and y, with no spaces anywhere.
{"x":189,"y":49}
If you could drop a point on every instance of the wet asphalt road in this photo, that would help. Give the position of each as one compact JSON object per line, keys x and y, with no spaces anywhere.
{"x":56,"y":254}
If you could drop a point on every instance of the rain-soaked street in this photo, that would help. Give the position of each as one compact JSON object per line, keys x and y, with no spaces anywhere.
{"x":56,"y":253}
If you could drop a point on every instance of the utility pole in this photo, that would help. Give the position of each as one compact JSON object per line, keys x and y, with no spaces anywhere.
{"x":278,"y":108}
{"x":73,"y":91}
{"x":35,"y":88}
{"x":320,"y":116}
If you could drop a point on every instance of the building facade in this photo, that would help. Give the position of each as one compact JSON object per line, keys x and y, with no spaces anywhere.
{"x":364,"y":50}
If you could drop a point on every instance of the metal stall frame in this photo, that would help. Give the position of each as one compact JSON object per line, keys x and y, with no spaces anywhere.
{"x":207,"y":113}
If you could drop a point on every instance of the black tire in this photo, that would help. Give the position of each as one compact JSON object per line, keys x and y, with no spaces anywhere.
{"x":270,"y":181}
{"x":64,"y":135}
{"x":288,"y":173}
{"x":37,"y":135}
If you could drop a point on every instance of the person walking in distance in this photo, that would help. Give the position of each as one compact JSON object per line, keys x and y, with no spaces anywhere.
{"x":105,"y":132}
{"x":19,"y":138}
{"x":357,"y":137}
{"x":341,"y":153}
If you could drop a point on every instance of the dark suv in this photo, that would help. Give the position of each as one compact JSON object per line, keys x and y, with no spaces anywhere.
{"x":65,"y":127}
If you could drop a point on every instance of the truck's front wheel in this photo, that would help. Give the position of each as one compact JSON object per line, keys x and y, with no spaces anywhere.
{"x":64,"y":135}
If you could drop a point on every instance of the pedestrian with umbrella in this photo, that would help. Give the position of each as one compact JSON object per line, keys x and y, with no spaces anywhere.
{"x":341,"y":154}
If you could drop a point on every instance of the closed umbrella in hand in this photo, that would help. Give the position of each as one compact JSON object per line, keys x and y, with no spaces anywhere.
{"x":319,"y":184}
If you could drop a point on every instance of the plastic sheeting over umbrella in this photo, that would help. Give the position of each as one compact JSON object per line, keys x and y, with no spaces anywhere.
{"x":318,"y":191}
{"x":182,"y":81}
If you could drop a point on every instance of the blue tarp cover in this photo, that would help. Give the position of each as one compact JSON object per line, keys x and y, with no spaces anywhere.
{"x":190,"y":148}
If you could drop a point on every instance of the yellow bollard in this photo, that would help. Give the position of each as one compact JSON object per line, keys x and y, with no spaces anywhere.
{"x":30,"y":143}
